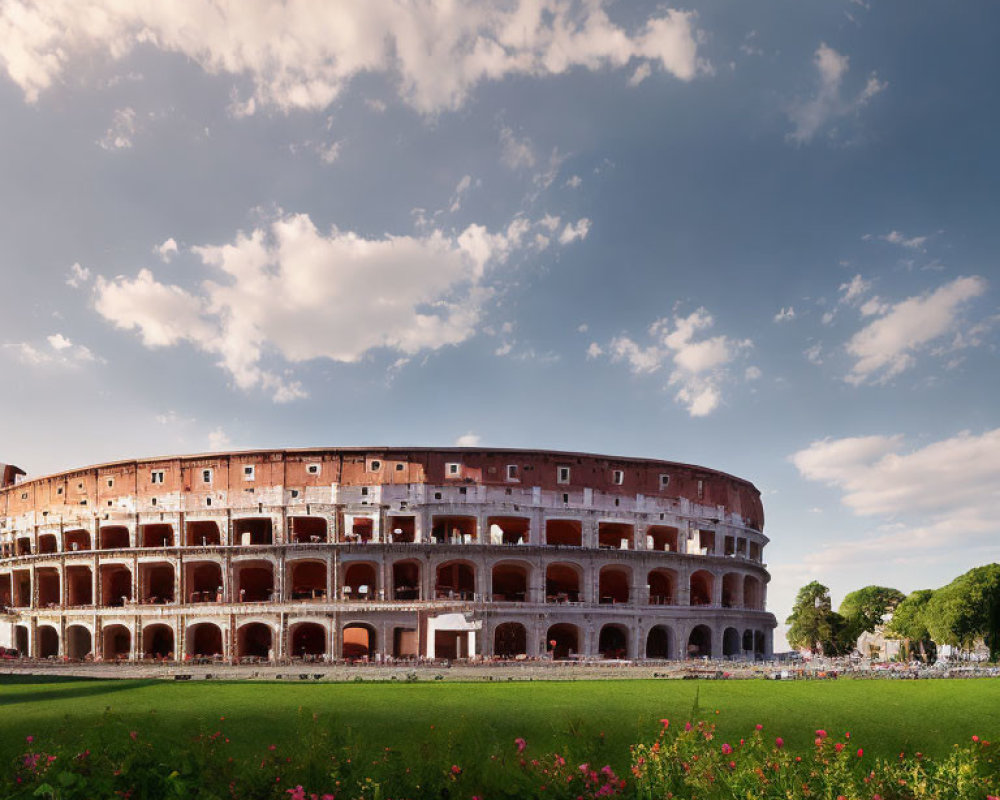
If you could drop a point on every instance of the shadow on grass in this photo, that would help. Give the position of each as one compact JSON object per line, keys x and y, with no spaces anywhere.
{"x":90,"y":689}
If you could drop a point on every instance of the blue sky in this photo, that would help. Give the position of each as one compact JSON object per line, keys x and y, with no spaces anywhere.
{"x":758,"y":237}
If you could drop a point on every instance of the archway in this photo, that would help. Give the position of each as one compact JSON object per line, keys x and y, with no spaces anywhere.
{"x":156,"y":535}
{"x":203,"y":533}
{"x":79,"y":643}
{"x":613,"y":641}
{"x":357,"y":641}
{"x":730,"y":642}
{"x":615,"y":535}
{"x":510,"y":639}
{"x":47,"y":581}
{"x":613,"y":585}
{"x":562,"y":640}
{"x":658,"y":643}
{"x":454,"y":529}
{"x":308,"y":641}
{"x":308,"y":580}
{"x":406,"y":580}
{"x":732,"y":590}
{"x":158,"y":642}
{"x":564,"y":532}
{"x":48,"y":642}
{"x":48,"y":543}
{"x":308,"y":530}
{"x":455,"y":579}
{"x":661,"y":537}
{"x":254,"y":582}
{"x":116,"y":643}
{"x":21,"y":640}
{"x":508,"y":530}
{"x":79,"y":586}
{"x":116,"y":585}
{"x":359,"y":581}
{"x":253,"y":641}
{"x":510,"y":583}
{"x":253,"y":531}
{"x":701,"y":588}
{"x":204,"y":582}
{"x":204,"y":640}
{"x":157,"y":583}
{"x":562,"y":583}
{"x":700,"y":642}
{"x":662,"y":587}
{"x":752,"y":593}
{"x":759,"y":644}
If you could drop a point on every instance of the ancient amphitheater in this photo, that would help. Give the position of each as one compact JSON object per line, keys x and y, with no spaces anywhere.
{"x":381,"y":554}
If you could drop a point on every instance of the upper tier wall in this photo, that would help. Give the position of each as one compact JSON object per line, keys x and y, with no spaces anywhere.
{"x":92,"y":487}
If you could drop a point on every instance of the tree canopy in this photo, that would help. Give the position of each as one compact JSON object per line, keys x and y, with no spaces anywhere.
{"x":909,"y":621}
{"x":813,"y":624}
{"x":864,"y":609}
{"x":967,"y":609}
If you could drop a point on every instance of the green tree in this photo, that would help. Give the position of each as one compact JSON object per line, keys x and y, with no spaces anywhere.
{"x":813,"y":623}
{"x":909,"y":622}
{"x":968,"y":609}
{"x":863,"y":610}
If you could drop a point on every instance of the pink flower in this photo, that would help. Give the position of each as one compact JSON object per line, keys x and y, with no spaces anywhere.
{"x":133,"y":735}
{"x":732,"y":765}
{"x":583,"y":768}
{"x":687,"y":726}
{"x":838,"y":746}
{"x":456,"y":770}
{"x":665,"y":723}
{"x":726,"y":749}
{"x":779,"y":742}
{"x":821,"y":734}
{"x":29,"y":739}
{"x":759,"y":727}
{"x":974,"y":738}
{"x":272,"y":747}
{"x":860,"y":752}
{"x":521,"y":744}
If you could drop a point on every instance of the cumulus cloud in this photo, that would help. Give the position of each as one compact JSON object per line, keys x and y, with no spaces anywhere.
{"x":119,"y":135}
{"x":888,"y":346}
{"x":287,"y":289}
{"x":167,"y":250}
{"x":218,"y":439}
{"x":303,"y":53}
{"x":909,"y":242}
{"x":785,"y":315}
{"x":574,"y":231}
{"x":514,"y":152}
{"x":468,"y":440}
{"x":699,"y":364}
{"x":935,"y":497}
{"x":828,"y":104}
{"x":77,"y":276}
{"x":58,"y":351}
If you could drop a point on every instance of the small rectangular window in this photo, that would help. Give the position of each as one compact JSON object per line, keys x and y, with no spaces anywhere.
{"x":206,"y":476}
{"x":59,"y":490}
{"x":701,"y":489}
{"x":111,"y":482}
{"x":400,"y":467}
{"x":566,"y":499}
{"x":664,"y":481}
{"x":294,"y":493}
{"x":512,"y":472}
{"x":312,"y":469}
{"x":24,"y":495}
{"x":374,"y":465}
{"x":364,"y":491}
{"x":249,"y":472}
{"x":562,"y":474}
{"x":618,"y":477}
{"x":452,"y":470}
{"x":156,"y":476}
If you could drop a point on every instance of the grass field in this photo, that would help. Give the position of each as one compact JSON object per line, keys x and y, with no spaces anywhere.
{"x":885,"y":717}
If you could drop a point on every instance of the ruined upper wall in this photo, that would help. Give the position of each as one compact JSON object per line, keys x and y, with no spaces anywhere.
{"x":9,"y":474}
{"x":97,"y":487}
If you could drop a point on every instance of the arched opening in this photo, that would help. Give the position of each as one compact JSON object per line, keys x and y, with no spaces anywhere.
{"x":158,"y":642}
{"x":700,"y":642}
{"x":253,"y":642}
{"x":79,"y":643}
{"x":48,"y":642}
{"x":308,"y":530}
{"x":203,"y":533}
{"x":48,"y":543}
{"x":759,"y":644}
{"x":255,"y":581}
{"x":308,"y":641}
{"x":564,"y":532}
{"x":510,"y":639}
{"x":455,"y":579}
{"x":116,"y":643}
{"x":402,"y":530}
{"x":253,"y":531}
{"x":730,"y":643}
{"x":406,"y":580}
{"x":79,"y":586}
{"x":156,"y":582}
{"x":510,"y":583}
{"x":21,"y":640}
{"x":661,"y":537}
{"x":613,"y":641}
{"x":359,"y":582}
{"x":612,"y":583}
{"x":157,"y":535}
{"x":203,"y":581}
{"x":308,"y":580}
{"x":357,"y":641}
{"x":658,"y":643}
{"x":204,"y":640}
{"x":113,"y":537}
{"x":47,"y":579}
{"x":732,"y":592}
{"x":6,"y":598}
{"x":752,"y":593}
{"x":362,"y":530}
{"x":116,"y":585}
{"x":615,"y":535}
{"x":508,"y":530}
{"x":747,"y":641}
{"x":23,"y":546}
{"x":562,"y":641}
{"x":701,"y":588}
{"x":562,"y":584}
{"x":405,"y":643}
{"x":706,"y":542}
{"x":454,"y":530}
{"x":662,"y":587}
{"x":77,"y":539}
{"x":22,"y":588}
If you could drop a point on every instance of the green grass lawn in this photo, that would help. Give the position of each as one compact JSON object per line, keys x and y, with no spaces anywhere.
{"x":462,"y":719}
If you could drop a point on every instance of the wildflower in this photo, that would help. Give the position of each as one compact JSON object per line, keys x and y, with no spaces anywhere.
{"x":665,"y":723}
{"x":861,"y":752}
{"x":29,"y":739}
{"x":583,"y":768}
{"x":272,"y":747}
{"x":847,"y":735}
{"x":838,"y":746}
{"x":974,"y":738}
{"x":133,"y":735}
{"x":779,"y":742}
{"x":520,"y":744}
{"x":687,"y":726}
{"x":732,"y":765}
{"x":726,"y":749}
{"x":456,"y":770}
{"x":759,"y":727}
{"x":821,"y":734}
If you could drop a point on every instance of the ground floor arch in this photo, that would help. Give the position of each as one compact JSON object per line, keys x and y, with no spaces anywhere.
{"x":204,"y":640}
{"x":562,"y":640}
{"x":116,"y":643}
{"x":612,"y":642}
{"x":308,"y":640}
{"x":358,"y":641}
{"x":699,"y":644}
{"x":255,"y":640}
{"x":659,"y":643}
{"x":48,"y":641}
{"x":510,"y":639}
{"x":158,"y":641}
{"x":79,"y":643}
{"x":22,"y":640}
{"x":731,"y":643}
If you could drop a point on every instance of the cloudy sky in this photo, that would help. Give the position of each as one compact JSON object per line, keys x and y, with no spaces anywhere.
{"x":759,"y":237}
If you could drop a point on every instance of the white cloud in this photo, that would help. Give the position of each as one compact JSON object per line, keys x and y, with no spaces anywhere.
{"x":572,"y":231}
{"x":329,"y":152}
{"x":752,"y":373}
{"x":595,"y":350}
{"x":77,"y":276}
{"x":888,"y":346}
{"x":119,"y":135}
{"x":459,"y":193}
{"x":60,"y":353}
{"x":468,"y":440}
{"x":515,"y":153}
{"x":814,"y":353}
{"x":218,"y":440}
{"x":699,"y":365}
{"x":574,"y":181}
{"x":809,"y":116}
{"x":940,"y":497}
{"x":289,"y":290}
{"x":785,"y":315}
{"x":167,"y":250}
{"x":642,"y":72}
{"x":303,"y":53}
{"x":852,"y":291}
{"x":909,"y":242}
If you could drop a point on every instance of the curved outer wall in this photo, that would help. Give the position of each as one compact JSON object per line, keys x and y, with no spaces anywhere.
{"x":379,"y":552}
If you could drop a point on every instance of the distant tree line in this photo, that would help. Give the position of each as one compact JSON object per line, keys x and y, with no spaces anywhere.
{"x":960,"y":614}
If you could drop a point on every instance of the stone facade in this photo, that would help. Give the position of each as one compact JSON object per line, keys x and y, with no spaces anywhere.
{"x":351,"y":553}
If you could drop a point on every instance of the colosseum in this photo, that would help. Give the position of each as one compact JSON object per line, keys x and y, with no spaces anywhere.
{"x":381,"y":554}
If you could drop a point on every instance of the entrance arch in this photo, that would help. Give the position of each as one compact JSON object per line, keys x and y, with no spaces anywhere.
{"x":48,"y":642}
{"x":204,"y":640}
{"x":563,"y":640}
{"x":116,"y":643}
{"x":308,"y":640}
{"x":79,"y":643}
{"x":659,"y":642}
{"x":731,"y":642}
{"x":357,"y":641}
{"x":700,"y":642}
{"x":613,"y":641}
{"x":255,"y":640}
{"x":158,"y":642}
{"x":510,"y":639}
